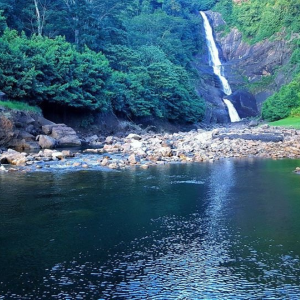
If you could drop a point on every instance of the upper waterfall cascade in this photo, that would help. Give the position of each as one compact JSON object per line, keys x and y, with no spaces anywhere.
{"x":216,"y":64}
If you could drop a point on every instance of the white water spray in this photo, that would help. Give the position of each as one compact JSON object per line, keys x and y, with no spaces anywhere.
{"x":217,"y":67}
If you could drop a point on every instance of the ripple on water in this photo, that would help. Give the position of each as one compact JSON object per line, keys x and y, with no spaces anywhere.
{"x":181,"y":259}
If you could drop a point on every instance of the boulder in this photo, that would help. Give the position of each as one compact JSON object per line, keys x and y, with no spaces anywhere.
{"x":46,"y":142}
{"x":65,"y":136}
{"x":13,"y":157}
{"x":134,"y":136}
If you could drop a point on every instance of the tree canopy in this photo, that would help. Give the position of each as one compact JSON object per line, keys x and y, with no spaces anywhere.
{"x":132,"y":57}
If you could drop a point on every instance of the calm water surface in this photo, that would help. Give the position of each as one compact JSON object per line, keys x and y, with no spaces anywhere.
{"x":228,"y":230}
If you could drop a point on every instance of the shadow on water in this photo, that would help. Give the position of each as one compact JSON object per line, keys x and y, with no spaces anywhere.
{"x":228,"y":230}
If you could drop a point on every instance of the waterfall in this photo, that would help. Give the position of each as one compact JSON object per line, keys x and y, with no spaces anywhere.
{"x":216,"y":64}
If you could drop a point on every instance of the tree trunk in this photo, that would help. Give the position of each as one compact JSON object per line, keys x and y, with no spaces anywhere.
{"x":38,"y":18}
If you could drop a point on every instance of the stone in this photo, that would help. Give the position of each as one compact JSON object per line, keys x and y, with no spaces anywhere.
{"x":57,"y":155}
{"x":108,"y":148}
{"x":135,"y":144}
{"x":68,"y":153}
{"x":109,"y":140}
{"x":253,"y":123}
{"x":12,"y":157}
{"x":215,"y":132}
{"x":113,"y":166}
{"x":105,"y":162}
{"x":46,"y":142}
{"x":132,"y":159}
{"x":65,"y":136}
{"x":134,"y":136}
{"x":91,"y":139}
{"x":165,"y":151}
{"x":47,"y":129}
{"x":204,"y":137}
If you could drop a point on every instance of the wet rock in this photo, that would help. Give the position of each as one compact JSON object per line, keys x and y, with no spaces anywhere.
{"x":113,"y":166}
{"x":297,"y":170}
{"x":105,"y":162}
{"x":57,"y":155}
{"x":13,"y":157}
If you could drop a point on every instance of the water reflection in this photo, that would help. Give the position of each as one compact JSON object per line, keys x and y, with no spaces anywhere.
{"x":177,"y":232}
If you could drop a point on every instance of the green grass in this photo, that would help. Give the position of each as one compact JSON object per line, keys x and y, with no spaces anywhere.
{"x":15,"y":105}
{"x":293,"y":122}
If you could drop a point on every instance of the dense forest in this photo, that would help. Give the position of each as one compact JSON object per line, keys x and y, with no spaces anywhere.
{"x":131,"y":57}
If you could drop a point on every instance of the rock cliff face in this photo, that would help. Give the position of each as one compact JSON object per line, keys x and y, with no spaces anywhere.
{"x":246,"y":64}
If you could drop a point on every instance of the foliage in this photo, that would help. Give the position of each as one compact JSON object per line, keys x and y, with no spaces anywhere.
{"x":258,"y":20}
{"x":295,"y":112}
{"x":132,"y":57}
{"x":280,"y":105}
{"x":153,"y":86}
{"x":45,"y":70}
{"x":16,"y":105}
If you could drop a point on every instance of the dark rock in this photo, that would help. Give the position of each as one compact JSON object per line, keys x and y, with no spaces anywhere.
{"x":245,"y":103}
{"x":253,"y":123}
{"x":264,"y":137}
{"x":3,"y":96}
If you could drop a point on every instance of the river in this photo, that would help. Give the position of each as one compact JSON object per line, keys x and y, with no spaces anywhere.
{"x":223,"y":230}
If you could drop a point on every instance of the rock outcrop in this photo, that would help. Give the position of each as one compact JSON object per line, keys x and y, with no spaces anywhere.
{"x":63,"y":135}
{"x":31,"y":131}
{"x":252,"y":62}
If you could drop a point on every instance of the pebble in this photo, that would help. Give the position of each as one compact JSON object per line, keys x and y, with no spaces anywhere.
{"x":152,"y":149}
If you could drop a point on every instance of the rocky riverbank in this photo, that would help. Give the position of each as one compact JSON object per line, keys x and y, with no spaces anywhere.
{"x":151,"y":149}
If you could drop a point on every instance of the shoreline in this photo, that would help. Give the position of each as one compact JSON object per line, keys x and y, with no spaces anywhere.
{"x":149,"y":149}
